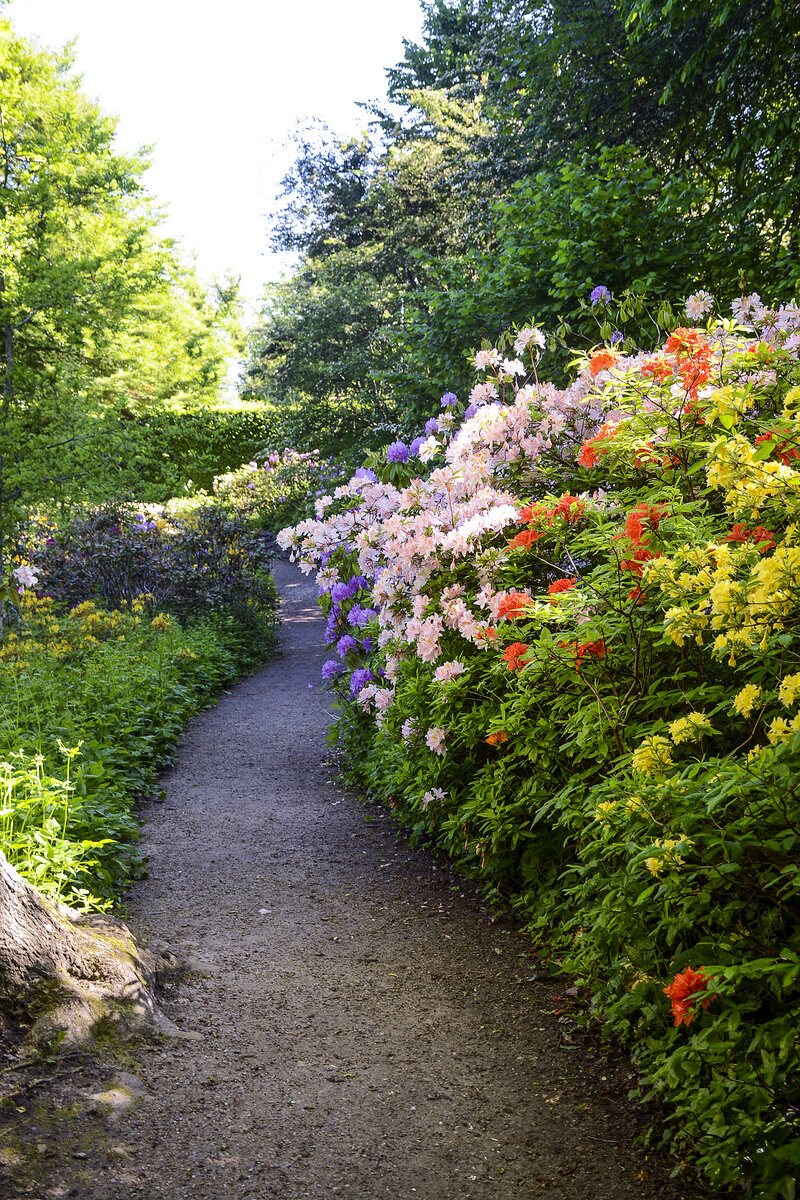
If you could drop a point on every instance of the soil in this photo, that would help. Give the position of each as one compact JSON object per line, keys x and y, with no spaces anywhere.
{"x":357,"y":1024}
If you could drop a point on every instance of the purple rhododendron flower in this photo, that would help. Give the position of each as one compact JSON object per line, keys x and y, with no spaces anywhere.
{"x":331,"y":669}
{"x":431,"y":426}
{"x":448,"y":400}
{"x":359,"y":616}
{"x":470,"y":411}
{"x":345,"y":645}
{"x":330,"y":629}
{"x":600,"y":294}
{"x":397,"y":453}
{"x":359,"y":679}
{"x":413,"y":449}
{"x":368,"y":647}
{"x":617,"y":336}
{"x":366,"y":473}
{"x":340,"y":592}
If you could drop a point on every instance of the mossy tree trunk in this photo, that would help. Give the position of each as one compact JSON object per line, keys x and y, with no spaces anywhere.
{"x":65,"y":973}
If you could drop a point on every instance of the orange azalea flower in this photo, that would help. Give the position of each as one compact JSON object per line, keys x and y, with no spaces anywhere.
{"x":495,"y":739}
{"x":524,"y":540}
{"x":513,"y":605}
{"x":569,"y":507}
{"x":658,"y":367}
{"x":513,"y":655}
{"x":687,"y":341}
{"x":562,"y":585}
{"x":693,"y":358}
{"x":591,"y":450}
{"x":684,"y":992}
{"x":582,"y":650}
{"x":535,"y":511}
{"x":602,"y":360}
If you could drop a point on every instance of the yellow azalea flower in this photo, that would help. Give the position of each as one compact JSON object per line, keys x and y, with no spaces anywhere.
{"x":690,"y":728}
{"x":789,"y":689}
{"x":747,"y":699}
{"x":782,"y":730}
{"x":653,"y":756}
{"x":604,"y":809}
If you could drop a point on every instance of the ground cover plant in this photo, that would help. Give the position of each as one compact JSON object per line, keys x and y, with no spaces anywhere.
{"x":121,"y":628}
{"x":567,"y":651}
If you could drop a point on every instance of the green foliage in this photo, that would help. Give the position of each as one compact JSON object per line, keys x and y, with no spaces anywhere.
{"x":111,"y":689}
{"x":540,"y":150}
{"x":99,"y":318}
{"x":283,"y":489}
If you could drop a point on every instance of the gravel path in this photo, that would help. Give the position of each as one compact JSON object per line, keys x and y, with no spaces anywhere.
{"x":362,"y":1028}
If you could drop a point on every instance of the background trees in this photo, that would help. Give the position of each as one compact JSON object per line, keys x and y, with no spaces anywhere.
{"x":533,"y":150}
{"x":99,"y":317}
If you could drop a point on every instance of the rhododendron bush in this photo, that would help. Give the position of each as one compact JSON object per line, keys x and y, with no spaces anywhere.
{"x":566,"y":640}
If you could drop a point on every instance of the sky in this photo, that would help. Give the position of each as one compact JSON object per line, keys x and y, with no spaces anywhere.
{"x":215,"y":89}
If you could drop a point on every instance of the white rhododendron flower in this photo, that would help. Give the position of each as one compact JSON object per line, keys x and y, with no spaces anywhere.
{"x":698,"y":305}
{"x":26,"y":577}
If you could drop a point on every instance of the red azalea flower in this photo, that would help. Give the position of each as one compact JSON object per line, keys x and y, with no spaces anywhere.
{"x":785,"y":448}
{"x":762,"y":537}
{"x":636,"y":564}
{"x":592,"y":449}
{"x":684,"y":992}
{"x":569,"y":507}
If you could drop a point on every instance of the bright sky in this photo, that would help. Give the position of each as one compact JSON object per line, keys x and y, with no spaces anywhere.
{"x":215,"y":88}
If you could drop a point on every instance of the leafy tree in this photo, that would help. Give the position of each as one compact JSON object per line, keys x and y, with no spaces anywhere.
{"x":96,"y":312}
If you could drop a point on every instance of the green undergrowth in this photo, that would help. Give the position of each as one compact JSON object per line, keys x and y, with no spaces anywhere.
{"x":82,"y":741}
{"x":134,"y":627}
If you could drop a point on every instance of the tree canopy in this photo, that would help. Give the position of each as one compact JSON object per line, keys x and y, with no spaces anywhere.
{"x":530,"y":151}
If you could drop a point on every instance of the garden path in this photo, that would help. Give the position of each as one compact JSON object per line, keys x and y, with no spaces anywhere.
{"x":363,"y":1029}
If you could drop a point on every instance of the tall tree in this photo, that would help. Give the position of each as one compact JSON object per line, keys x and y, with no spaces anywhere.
{"x":96,"y":311}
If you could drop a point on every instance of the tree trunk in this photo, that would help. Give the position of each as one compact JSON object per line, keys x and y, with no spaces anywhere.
{"x":65,"y":973}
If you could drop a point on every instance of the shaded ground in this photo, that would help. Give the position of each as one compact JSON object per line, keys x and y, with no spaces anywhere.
{"x":360,"y":1026}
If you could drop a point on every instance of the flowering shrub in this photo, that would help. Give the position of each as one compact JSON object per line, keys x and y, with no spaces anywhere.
{"x":281,"y":487}
{"x":580,"y":675}
{"x":204,"y":561}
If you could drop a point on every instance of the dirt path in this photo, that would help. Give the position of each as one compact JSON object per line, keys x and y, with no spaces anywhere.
{"x":364,"y":1029}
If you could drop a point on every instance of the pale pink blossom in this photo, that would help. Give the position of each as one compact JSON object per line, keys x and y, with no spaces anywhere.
{"x":435,"y":740}
{"x":486,"y":358}
{"x":434,"y":796}
{"x":448,"y":671}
